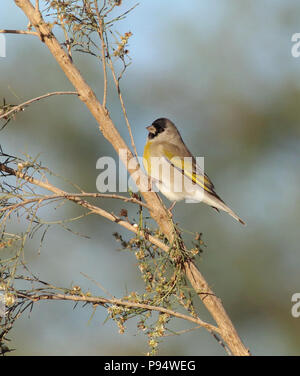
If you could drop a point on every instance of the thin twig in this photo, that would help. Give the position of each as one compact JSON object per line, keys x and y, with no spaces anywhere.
{"x":103,"y":52}
{"x":6,"y":31}
{"x":119,"y":302}
{"x":117,"y":83}
{"x":22,"y":105}
{"x":98,"y":284}
{"x":62,"y":24}
{"x":220,"y":342}
{"x":71,"y":196}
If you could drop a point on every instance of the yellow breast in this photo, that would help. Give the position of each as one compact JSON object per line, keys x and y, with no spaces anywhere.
{"x":147,"y":157}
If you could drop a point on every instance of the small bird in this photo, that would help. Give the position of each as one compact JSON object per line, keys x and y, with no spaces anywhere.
{"x":174,"y":170}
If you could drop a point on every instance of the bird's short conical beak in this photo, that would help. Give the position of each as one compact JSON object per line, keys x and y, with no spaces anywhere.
{"x":151,"y":129}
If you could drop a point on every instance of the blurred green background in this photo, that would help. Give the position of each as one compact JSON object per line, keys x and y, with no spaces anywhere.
{"x":224,"y":73}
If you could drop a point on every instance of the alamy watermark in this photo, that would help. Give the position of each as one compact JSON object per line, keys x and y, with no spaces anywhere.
{"x":2,"y":46}
{"x":295,"y":311}
{"x":295,"y":51}
{"x":180,"y":176}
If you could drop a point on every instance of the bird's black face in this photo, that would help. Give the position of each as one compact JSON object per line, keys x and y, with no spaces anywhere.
{"x":158,"y":126}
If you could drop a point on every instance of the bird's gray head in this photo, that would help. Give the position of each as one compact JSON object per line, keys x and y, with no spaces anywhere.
{"x":163,"y":129}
